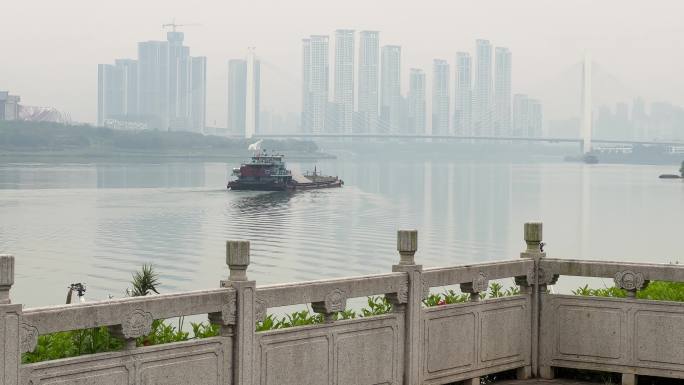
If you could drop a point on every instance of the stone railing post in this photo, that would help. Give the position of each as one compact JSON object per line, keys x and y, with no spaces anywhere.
{"x":10,"y":326}
{"x":238,"y":258}
{"x":534,"y":283}
{"x":409,"y":302}
{"x":335,"y":302}
{"x":478,"y":285}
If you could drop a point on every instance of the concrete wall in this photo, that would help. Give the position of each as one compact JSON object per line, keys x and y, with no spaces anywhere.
{"x":532,"y":332}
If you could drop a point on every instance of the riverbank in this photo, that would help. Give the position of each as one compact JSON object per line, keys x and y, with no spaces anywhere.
{"x":27,"y":141}
{"x":113,"y":155}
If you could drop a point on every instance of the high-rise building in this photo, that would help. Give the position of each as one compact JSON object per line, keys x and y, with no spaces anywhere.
{"x":527,"y":117}
{"x":252,"y":94}
{"x":9,"y":106}
{"x":198,"y":93}
{"x":344,"y":80}
{"x":390,"y":90}
{"x":440,"y":97}
{"x":502,"y":92}
{"x":153,"y":83}
{"x":416,"y":102}
{"x":117,"y":98}
{"x":179,"y":82}
{"x":305,"y":120}
{"x":482,"y":98}
{"x":164,"y":89}
{"x":238,"y":87}
{"x":369,"y":51}
{"x":237,"y":96}
{"x":639,"y":119}
{"x":536,"y":117}
{"x":463,"y":94}
{"x":520,"y":115}
{"x":317,"y":86}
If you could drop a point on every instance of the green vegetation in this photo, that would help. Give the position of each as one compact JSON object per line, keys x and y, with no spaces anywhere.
{"x":98,"y":340}
{"x":378,"y":305}
{"x":144,"y":281}
{"x":656,"y":290}
{"x":450,"y":296}
{"x":56,"y":139}
{"x":681,"y":169}
{"x":70,"y":344}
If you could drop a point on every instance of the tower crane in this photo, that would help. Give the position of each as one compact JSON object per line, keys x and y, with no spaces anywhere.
{"x":173,"y":25}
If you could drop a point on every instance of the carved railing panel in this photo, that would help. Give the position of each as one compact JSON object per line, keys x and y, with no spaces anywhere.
{"x":469,"y":340}
{"x":365,"y":351}
{"x":195,"y":362}
{"x":613,"y":334}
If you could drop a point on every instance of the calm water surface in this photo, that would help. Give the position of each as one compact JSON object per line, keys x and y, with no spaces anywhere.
{"x":97,"y":223}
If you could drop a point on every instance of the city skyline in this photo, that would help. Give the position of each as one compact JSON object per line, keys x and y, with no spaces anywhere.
{"x":225,"y":33}
{"x":138,"y":92}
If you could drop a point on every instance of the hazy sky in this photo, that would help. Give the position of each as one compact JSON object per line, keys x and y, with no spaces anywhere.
{"x":49,"y":50}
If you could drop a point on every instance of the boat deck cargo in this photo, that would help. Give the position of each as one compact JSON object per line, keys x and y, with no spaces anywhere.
{"x":267,"y":172}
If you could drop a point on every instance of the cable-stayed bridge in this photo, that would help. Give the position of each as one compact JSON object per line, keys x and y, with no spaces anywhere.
{"x":577,"y":91}
{"x":512,"y":139}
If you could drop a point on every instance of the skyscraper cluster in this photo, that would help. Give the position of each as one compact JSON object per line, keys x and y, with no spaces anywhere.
{"x":661,"y":121}
{"x":164,"y":89}
{"x":482,"y":103}
{"x":377,"y":106}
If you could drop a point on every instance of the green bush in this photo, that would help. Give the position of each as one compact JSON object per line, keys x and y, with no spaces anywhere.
{"x":450,"y":296}
{"x":99,"y":340}
{"x":377,"y":305}
{"x":656,"y":290}
{"x":70,"y":344}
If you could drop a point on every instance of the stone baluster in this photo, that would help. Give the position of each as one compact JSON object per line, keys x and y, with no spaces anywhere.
{"x":333,"y":303}
{"x":534,"y":283}
{"x":12,"y":334}
{"x":409,"y":300}
{"x":478,"y":285}
{"x":238,"y":258}
{"x":630,"y":281}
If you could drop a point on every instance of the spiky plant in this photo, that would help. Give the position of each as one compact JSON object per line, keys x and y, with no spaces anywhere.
{"x":144,"y":281}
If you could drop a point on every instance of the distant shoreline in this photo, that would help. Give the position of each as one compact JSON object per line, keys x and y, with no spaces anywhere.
{"x":128,"y":156}
{"x":28,"y":141}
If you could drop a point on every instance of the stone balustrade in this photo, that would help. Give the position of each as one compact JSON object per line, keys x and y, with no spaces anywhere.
{"x":532,"y":332}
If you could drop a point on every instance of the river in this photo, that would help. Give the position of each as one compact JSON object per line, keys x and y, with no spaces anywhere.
{"x":97,"y":223}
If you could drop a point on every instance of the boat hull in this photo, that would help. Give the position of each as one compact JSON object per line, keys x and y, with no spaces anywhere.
{"x":237,"y":186}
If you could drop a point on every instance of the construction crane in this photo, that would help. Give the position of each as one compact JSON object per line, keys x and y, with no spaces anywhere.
{"x":173,"y":25}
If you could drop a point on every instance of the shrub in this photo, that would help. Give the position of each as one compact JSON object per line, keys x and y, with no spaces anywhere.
{"x":656,"y":290}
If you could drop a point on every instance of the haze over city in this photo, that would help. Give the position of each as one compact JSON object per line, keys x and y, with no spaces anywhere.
{"x":354,"y":192}
{"x":51,"y":50}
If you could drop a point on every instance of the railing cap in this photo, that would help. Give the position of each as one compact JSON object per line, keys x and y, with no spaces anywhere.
{"x":237,"y":258}
{"x":6,"y":277}
{"x":533,"y":232}
{"x":407,"y":244}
